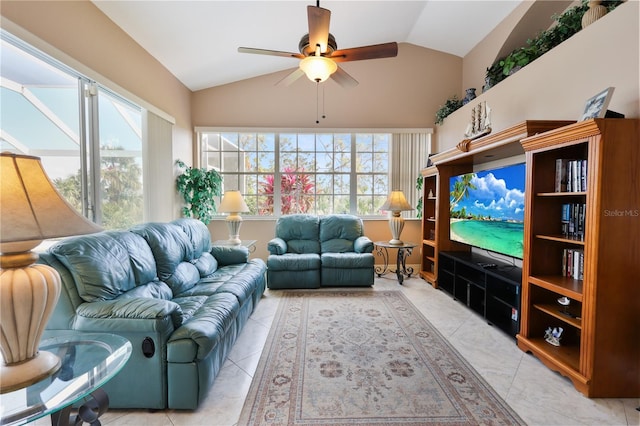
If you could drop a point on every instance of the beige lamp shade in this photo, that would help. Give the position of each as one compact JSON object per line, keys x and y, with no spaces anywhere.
{"x":232,"y":202}
{"x":31,"y":209}
{"x":396,"y":203}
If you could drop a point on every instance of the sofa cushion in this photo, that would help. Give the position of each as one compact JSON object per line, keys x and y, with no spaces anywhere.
{"x":348,"y":260}
{"x":294,"y":262}
{"x":198,"y":233}
{"x":101,"y":264}
{"x":150,"y":290}
{"x":338,"y":232}
{"x":300,"y":231}
{"x":174,"y":252}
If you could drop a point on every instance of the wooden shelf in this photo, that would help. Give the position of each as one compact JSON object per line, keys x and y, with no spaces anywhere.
{"x":556,"y":312}
{"x":562,"y":239}
{"x":431,"y":243}
{"x":567,"y":357}
{"x":560,"y":194}
{"x":564,"y":286}
{"x":599,"y":349}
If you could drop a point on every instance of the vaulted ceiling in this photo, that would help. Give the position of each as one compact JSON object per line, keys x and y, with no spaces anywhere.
{"x":198,"y":41}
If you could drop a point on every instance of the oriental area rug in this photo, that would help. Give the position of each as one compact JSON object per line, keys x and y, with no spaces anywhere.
{"x":364,"y":357}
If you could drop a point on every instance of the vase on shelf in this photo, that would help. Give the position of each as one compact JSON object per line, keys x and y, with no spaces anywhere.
{"x":471,"y":94}
{"x":595,"y":12}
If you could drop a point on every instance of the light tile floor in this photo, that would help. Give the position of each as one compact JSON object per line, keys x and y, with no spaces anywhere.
{"x":538,"y":395}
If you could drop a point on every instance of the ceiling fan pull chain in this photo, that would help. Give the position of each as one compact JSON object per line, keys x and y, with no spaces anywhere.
{"x":323,"y":99}
{"x":317,"y":103}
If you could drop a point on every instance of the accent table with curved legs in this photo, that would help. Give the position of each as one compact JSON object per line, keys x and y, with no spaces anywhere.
{"x":404,"y":251}
{"x":89,"y":360}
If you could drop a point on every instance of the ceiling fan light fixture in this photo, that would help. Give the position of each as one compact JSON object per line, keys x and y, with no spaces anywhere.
{"x":318,"y":68}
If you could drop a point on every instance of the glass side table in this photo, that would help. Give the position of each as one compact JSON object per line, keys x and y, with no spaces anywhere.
{"x":89,"y":360}
{"x":250,"y":244}
{"x":404,"y":251}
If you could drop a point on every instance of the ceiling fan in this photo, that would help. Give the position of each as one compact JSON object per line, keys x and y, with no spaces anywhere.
{"x":319,"y":52}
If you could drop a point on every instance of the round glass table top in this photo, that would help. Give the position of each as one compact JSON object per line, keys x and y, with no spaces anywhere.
{"x":89,"y":360}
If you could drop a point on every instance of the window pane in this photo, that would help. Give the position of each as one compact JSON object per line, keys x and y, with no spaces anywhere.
{"x":120,"y":163}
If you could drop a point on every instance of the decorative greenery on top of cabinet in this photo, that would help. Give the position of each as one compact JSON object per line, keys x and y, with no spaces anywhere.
{"x":567,"y":24}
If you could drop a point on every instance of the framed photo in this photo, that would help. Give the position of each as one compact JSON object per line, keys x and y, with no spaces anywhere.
{"x":596,"y":107}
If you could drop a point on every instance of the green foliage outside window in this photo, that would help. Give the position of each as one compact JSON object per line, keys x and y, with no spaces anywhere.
{"x":121,"y":190}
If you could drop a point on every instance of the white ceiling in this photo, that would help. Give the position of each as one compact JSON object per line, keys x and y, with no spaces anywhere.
{"x":197,"y":41}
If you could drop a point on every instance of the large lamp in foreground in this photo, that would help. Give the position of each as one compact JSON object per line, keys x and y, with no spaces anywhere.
{"x":233,"y":203}
{"x":31,"y":210}
{"x":395,"y":204}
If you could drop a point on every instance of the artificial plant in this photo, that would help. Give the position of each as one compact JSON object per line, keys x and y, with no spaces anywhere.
{"x":567,"y":24}
{"x":199,"y":187}
{"x":452,"y":104}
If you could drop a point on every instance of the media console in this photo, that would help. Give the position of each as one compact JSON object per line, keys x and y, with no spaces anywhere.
{"x":491,"y":291}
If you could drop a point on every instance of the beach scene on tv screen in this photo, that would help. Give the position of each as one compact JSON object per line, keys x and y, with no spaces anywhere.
{"x":486,"y":209}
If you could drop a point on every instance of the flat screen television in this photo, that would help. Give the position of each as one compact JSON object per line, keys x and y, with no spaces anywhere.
{"x":486,"y":209}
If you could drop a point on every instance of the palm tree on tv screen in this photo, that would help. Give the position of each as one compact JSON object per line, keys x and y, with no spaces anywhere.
{"x":461,"y":189}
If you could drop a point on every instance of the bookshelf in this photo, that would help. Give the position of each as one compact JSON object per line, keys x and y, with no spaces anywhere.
{"x":429,"y":252}
{"x":599,"y":350}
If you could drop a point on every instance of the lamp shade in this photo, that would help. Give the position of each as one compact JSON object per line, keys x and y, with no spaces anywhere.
{"x":396,"y":202}
{"x":232,"y":202}
{"x":318,"y":68}
{"x":31,"y":209}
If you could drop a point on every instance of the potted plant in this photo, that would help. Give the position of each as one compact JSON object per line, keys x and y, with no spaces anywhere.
{"x":199,"y":187}
{"x":449,"y":106}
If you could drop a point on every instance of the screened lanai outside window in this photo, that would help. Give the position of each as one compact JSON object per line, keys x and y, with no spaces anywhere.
{"x":88,"y":139}
{"x":282,"y":173}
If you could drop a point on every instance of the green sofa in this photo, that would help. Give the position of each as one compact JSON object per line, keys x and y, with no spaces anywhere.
{"x":311,"y":251}
{"x":178,"y":300}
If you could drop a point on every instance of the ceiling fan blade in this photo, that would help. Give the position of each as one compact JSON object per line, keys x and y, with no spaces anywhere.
{"x":291,"y":77}
{"x":318,"y":27}
{"x":344,"y":79}
{"x":270,"y":52}
{"x":375,"y":51}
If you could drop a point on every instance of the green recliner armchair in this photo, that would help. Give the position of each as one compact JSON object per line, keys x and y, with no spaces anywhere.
{"x":311,"y":251}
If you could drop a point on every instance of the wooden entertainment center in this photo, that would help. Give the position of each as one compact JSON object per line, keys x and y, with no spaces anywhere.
{"x":599,"y":348}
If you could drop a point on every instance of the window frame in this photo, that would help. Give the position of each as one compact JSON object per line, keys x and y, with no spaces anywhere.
{"x":201,"y":160}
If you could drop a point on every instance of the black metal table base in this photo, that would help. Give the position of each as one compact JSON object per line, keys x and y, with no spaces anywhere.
{"x":89,"y":412}
{"x":401,"y":270}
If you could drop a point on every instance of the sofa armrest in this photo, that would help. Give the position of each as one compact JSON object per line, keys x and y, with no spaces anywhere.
{"x":230,"y":255}
{"x":277,"y":246}
{"x":363,"y":245}
{"x":131,"y":314}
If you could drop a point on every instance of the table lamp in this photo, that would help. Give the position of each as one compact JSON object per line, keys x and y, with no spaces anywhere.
{"x":396,"y":203}
{"x":233,"y":203}
{"x":31,"y":210}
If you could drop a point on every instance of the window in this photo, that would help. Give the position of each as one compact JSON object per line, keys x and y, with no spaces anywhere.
{"x":303,"y":172}
{"x":89,"y":139}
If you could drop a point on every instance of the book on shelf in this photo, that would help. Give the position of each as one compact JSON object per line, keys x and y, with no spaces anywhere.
{"x":571,"y":175}
{"x":573,"y":263}
{"x":572,"y":221}
{"x":561,"y":174}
